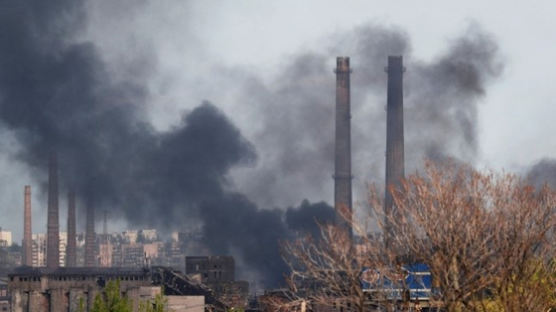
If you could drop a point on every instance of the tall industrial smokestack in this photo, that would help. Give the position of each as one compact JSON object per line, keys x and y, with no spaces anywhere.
{"x":71,"y":256}
{"x":90,"y":257}
{"x":394,"y":129}
{"x":105,"y":225}
{"x":105,"y":248}
{"x":27,"y":232}
{"x":53,"y":228}
{"x":342,"y":173}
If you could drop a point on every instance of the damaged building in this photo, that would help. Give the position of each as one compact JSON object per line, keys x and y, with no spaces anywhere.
{"x":65,"y":289}
{"x":74,"y":289}
{"x":218,"y":273}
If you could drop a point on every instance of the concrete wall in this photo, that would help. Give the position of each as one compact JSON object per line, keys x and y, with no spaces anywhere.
{"x":38,"y":302}
{"x":65,"y":292}
{"x":77,"y":297}
{"x":70,"y":299}
{"x":186,"y":303}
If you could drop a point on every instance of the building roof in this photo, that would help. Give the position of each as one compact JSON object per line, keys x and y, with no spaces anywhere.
{"x":41,"y":271}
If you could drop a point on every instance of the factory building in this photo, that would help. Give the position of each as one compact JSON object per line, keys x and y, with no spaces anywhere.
{"x":65,"y":289}
{"x":218,"y":273}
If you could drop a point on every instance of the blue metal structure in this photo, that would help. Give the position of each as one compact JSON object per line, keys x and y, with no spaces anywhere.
{"x":415,"y":282}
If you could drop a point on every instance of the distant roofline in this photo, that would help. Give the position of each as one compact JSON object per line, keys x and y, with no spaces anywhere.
{"x":41,"y":271}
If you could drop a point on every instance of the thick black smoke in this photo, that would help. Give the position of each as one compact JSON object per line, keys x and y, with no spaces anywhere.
{"x":233,"y":223}
{"x":543,"y":172}
{"x":57,"y":94}
{"x":307,"y":217}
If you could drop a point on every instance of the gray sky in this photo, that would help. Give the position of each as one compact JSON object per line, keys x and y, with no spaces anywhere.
{"x":194,"y":47}
{"x":197,"y":36}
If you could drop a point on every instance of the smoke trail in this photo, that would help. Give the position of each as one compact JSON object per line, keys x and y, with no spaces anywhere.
{"x":297,"y":110}
{"x":444,"y":96}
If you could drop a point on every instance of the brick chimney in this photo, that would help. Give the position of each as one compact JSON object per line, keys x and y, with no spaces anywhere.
{"x":70,"y":247}
{"x":27,"y":230}
{"x":90,"y":238}
{"x":52,"y":226}
{"x":394,"y":129}
{"x":342,"y":172}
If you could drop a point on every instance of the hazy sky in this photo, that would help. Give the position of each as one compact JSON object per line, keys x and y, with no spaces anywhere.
{"x":192,"y":49}
{"x":515,"y":117}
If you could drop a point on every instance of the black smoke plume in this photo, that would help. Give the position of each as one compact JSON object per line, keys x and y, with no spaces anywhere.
{"x":57,"y":94}
{"x":307,"y":217}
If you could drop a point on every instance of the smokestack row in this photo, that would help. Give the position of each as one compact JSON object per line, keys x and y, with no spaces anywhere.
{"x":342,"y":171}
{"x":394,"y":137}
{"x":53,"y":229}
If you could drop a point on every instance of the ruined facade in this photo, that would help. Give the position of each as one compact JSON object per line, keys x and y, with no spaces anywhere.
{"x":218,"y":273}
{"x":211,"y":268}
{"x":65,"y":289}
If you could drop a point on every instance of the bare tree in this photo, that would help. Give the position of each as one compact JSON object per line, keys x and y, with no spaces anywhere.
{"x":526,"y":278}
{"x":326,"y":272}
{"x":485,"y":237}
